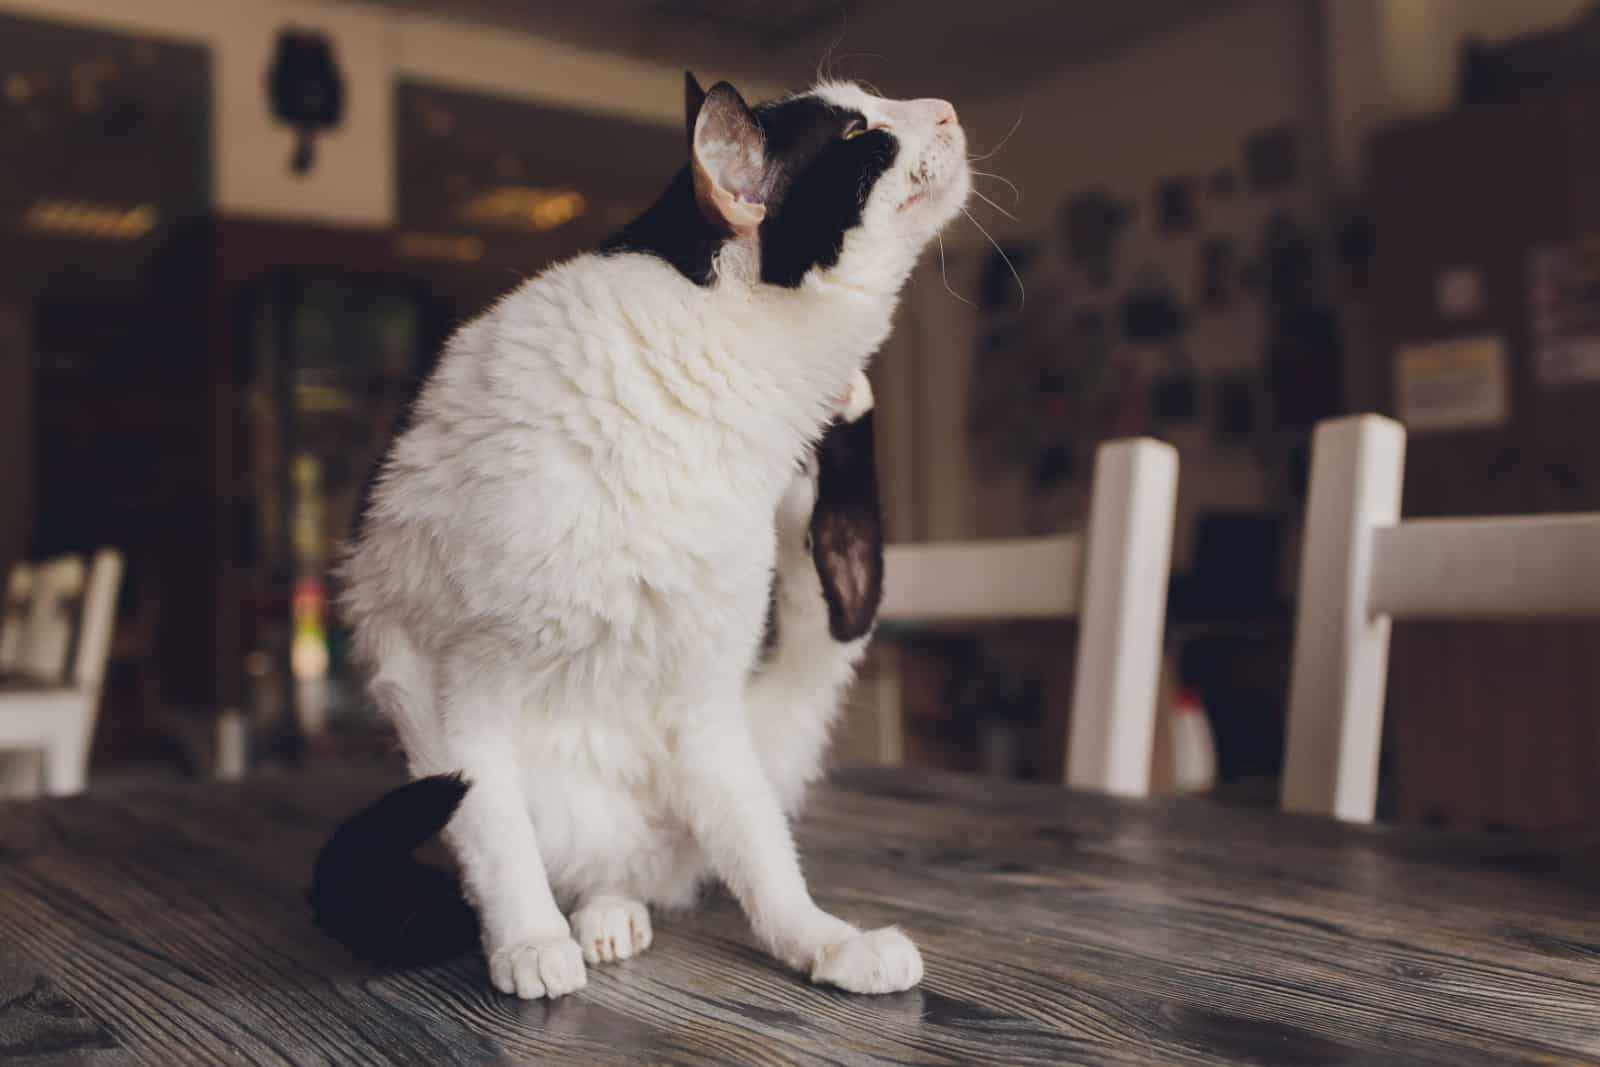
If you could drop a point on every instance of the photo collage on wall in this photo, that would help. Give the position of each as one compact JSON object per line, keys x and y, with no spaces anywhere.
{"x":1197,"y":311}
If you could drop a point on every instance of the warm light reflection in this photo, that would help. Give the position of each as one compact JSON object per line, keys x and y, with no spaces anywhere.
{"x":525,"y":207}
{"x":445,"y":246}
{"x":106,"y":222}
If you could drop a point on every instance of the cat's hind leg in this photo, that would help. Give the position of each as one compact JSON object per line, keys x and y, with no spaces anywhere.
{"x":528,"y":943}
{"x":611,"y":927}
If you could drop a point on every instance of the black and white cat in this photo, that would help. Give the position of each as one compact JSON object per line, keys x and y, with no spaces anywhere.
{"x":562,"y":577}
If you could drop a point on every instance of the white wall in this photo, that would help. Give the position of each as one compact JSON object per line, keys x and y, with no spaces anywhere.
{"x":353,"y":182}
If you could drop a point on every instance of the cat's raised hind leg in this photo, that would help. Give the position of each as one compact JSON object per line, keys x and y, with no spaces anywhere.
{"x":611,"y":927}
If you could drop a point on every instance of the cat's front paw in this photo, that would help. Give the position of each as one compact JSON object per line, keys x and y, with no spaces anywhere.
{"x":878,"y":961}
{"x":534,"y":969}
{"x":612,"y":928}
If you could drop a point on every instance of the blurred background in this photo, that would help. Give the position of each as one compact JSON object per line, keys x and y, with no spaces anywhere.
{"x":234,"y":234}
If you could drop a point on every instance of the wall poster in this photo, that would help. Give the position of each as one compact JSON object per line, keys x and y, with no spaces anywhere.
{"x":1457,"y":384}
{"x":1564,"y":304}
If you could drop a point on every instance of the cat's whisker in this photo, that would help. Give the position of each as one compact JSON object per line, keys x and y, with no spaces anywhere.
{"x":996,"y":149}
{"x":844,"y":57}
{"x":1022,"y":290}
{"x":861,"y":55}
{"x":824,"y":70}
{"x":945,"y":274}
{"x":996,"y":206}
{"x":1016,"y":194}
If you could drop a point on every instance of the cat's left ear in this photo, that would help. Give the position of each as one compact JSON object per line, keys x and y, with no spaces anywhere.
{"x":727,"y":157}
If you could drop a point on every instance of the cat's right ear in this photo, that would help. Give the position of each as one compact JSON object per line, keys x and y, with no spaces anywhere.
{"x":727,"y":157}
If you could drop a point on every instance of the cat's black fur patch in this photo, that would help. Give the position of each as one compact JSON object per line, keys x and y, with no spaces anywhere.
{"x":819,"y":184}
{"x":824,"y":182}
{"x":674,"y":229}
{"x":847,"y":528}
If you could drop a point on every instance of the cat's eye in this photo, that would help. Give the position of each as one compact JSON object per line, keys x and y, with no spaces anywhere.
{"x":855,"y":129}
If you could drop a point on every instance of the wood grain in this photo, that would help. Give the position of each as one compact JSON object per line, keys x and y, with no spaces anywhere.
{"x":168,"y":926}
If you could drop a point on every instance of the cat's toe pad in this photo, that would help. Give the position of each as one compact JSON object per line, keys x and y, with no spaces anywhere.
{"x":534,"y":969}
{"x":878,"y":961}
{"x":611,"y":929}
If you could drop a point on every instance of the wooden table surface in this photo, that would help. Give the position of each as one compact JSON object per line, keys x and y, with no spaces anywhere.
{"x":167,"y":926}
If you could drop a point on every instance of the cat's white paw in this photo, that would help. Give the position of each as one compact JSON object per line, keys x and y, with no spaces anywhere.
{"x":878,"y":961}
{"x":856,"y":400}
{"x":534,"y":969}
{"x":612,"y":928}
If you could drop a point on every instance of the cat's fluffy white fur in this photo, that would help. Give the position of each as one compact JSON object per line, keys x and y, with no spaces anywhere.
{"x":562,"y":586}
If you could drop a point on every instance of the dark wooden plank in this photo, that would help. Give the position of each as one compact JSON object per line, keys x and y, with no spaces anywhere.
{"x":167,"y":926}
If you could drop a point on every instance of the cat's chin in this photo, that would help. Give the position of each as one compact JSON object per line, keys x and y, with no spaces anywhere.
{"x":934,"y":205}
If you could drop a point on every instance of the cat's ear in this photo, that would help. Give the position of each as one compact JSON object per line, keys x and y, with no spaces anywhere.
{"x":728,"y":159}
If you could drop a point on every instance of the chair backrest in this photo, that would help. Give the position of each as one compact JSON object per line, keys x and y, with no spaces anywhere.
{"x":1113,"y":579}
{"x":97,"y":621}
{"x":46,"y":636}
{"x":14,"y":616}
{"x":1361,"y":567}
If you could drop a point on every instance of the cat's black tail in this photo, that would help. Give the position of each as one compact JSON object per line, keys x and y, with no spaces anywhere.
{"x":368,"y":892}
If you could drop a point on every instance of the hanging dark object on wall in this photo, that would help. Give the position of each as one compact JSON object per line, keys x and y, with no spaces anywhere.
{"x":998,"y":288}
{"x":1289,"y":265}
{"x":1216,"y":273}
{"x":1303,"y":349}
{"x":1150,"y":313}
{"x":1175,"y":205}
{"x":1271,"y":158}
{"x":1090,"y":224}
{"x":1353,"y":245}
{"x":1175,"y":394}
{"x":1233,"y":405}
{"x":306,"y":91}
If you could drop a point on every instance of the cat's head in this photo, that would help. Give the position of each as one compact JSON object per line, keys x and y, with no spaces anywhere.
{"x":834,"y":182}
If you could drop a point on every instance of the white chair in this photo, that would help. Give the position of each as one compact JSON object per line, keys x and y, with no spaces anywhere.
{"x":49,"y":703}
{"x":1361,"y":567}
{"x":1113,"y":580}
{"x":54,"y":588}
{"x":14,"y":617}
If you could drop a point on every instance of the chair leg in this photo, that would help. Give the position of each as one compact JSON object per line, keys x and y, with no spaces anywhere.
{"x":66,"y":766}
{"x":1341,"y":649}
{"x":1123,"y":617}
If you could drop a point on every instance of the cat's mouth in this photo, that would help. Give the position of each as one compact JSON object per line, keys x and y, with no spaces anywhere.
{"x":922,"y":188}
{"x":932,"y":178}
{"x":917,"y":197}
